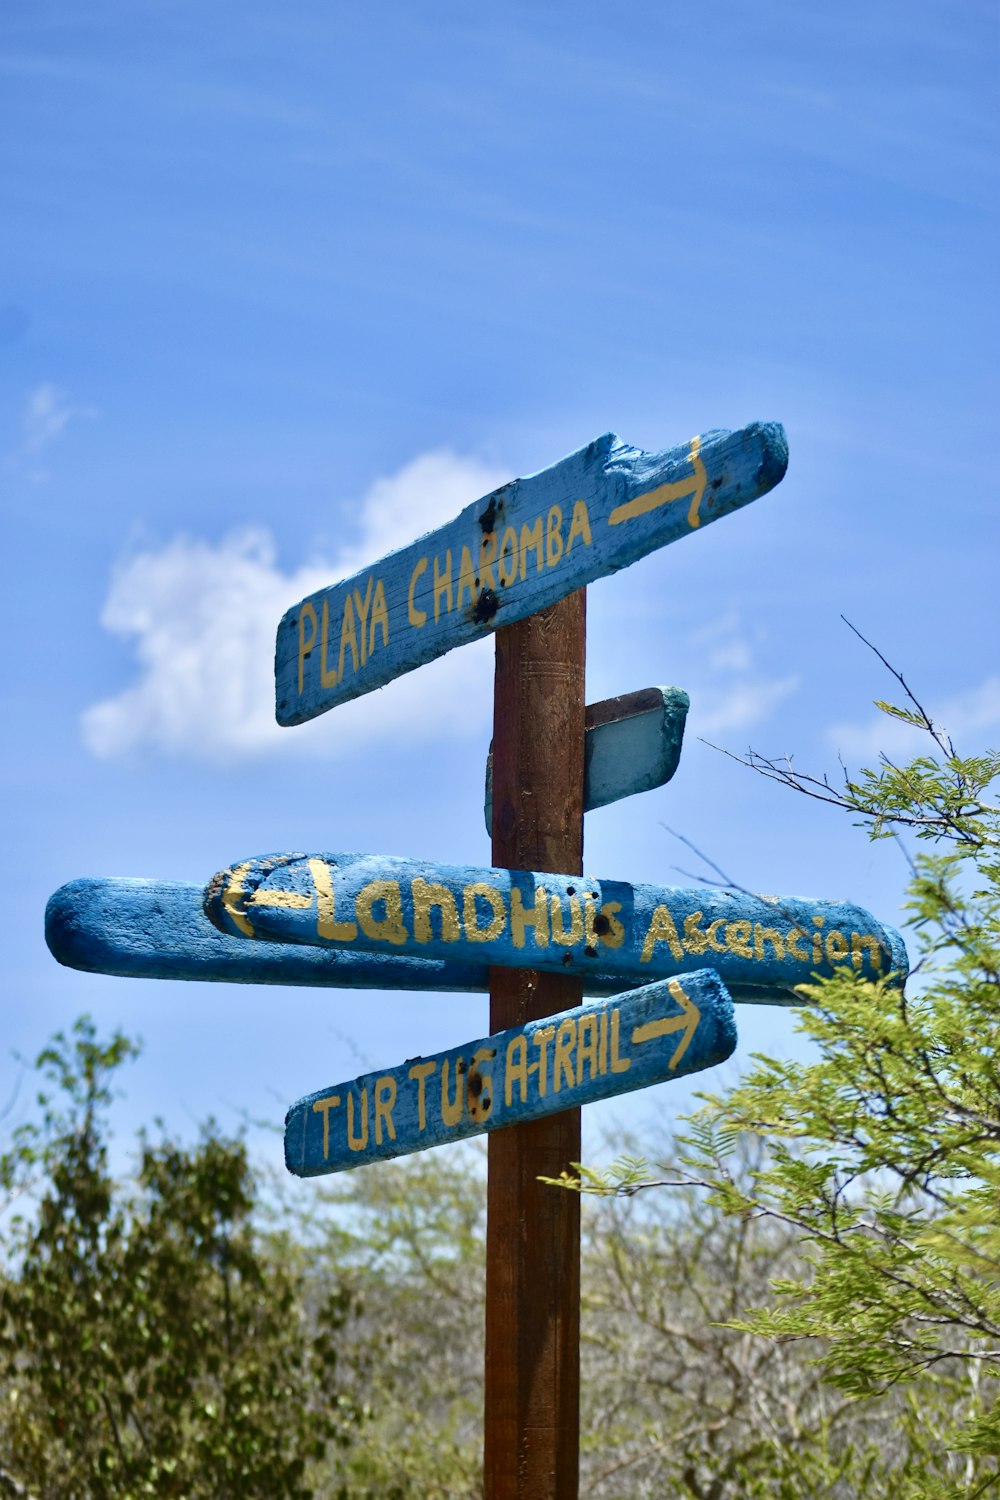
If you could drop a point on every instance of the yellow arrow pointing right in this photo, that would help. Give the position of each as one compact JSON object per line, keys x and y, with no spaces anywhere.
{"x":664,"y":493}
{"x":688,"y":1023}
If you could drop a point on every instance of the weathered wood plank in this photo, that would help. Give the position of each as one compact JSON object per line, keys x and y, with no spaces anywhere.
{"x":632,"y":744}
{"x":531,"y":1396}
{"x":574,"y":1057}
{"x":629,"y":752}
{"x":510,"y":554}
{"x":157,"y":929}
{"x":566,"y":924}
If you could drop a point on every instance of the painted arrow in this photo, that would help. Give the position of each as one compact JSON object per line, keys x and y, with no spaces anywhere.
{"x":562,"y":923}
{"x":687,"y":1022}
{"x":575,"y":1057}
{"x":632,"y":744}
{"x":510,"y":554}
{"x":665,"y":494}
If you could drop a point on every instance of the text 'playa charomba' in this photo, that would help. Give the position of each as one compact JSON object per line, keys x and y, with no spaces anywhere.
{"x":511,"y":554}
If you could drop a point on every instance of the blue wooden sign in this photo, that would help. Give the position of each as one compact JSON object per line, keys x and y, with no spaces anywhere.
{"x":510,"y":554}
{"x":568,"y":924}
{"x":645,"y":1036}
{"x":631,"y":744}
{"x":157,"y":929}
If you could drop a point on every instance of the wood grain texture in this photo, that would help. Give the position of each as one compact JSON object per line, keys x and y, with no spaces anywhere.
{"x":761,"y":946}
{"x":632,"y":744}
{"x":512,"y":553}
{"x":642,"y":1037}
{"x":531,"y":1447}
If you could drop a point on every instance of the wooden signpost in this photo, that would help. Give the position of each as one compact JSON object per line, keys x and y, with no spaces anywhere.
{"x":510,"y":555}
{"x":531,"y":928}
{"x":763,"y":947}
{"x":531,"y":1428}
{"x":632,"y":744}
{"x":592,"y":1052}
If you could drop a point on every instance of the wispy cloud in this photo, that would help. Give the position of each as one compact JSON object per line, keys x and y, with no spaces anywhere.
{"x":202,"y":619}
{"x":728,"y":690}
{"x":45,"y":416}
{"x":741,"y":705}
{"x":47,"y":413}
{"x":967,"y":717}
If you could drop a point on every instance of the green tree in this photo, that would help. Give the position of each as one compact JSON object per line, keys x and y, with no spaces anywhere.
{"x":150,"y":1341}
{"x":673,"y":1401}
{"x":883,"y":1152}
{"x":678,"y":1398}
{"x":408,"y":1237}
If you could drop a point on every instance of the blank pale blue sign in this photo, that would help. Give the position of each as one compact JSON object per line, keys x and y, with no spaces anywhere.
{"x":645,"y":1036}
{"x":631,"y":744}
{"x":511,"y":554}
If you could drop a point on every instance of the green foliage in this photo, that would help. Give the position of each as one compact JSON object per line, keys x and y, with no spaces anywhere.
{"x":679,"y":1400}
{"x":409,"y":1238}
{"x":883,"y":1153}
{"x":674,"y":1401}
{"x":150,"y":1344}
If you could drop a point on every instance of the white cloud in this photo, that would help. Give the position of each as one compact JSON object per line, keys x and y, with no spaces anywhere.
{"x":202,"y":618}
{"x":47,"y":413}
{"x":965,"y":717}
{"x":734,"y":656}
{"x":727,"y":691}
{"x":740,"y":705}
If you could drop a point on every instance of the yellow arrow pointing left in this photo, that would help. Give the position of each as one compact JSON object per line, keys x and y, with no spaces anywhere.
{"x":234,"y":899}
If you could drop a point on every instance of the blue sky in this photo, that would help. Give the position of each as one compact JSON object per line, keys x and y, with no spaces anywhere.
{"x":284,"y":286}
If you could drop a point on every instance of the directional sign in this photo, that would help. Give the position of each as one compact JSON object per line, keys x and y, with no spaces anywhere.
{"x":511,"y":554}
{"x":642,"y":1037}
{"x":568,"y":924}
{"x":632,"y":744}
{"x":157,"y":929}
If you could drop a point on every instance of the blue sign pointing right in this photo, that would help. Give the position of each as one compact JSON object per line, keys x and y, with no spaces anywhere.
{"x":511,"y":554}
{"x":591,"y":1052}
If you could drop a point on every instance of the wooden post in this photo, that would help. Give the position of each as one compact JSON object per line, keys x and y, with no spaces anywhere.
{"x":532,"y":1417}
